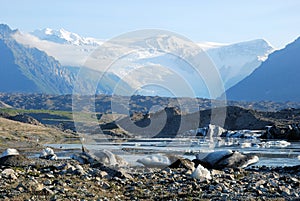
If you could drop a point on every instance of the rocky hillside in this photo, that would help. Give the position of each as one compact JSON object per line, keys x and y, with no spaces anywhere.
{"x":165,"y":121}
{"x":171,"y":122}
{"x":137,"y":103}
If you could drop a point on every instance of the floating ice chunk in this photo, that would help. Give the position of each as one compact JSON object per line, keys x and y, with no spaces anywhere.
{"x":158,"y":161}
{"x":201,"y":173}
{"x":227,"y":159}
{"x":209,"y":131}
{"x":107,"y":157}
{"x":248,"y":134}
{"x":280,"y":143}
{"x":48,"y":153}
{"x":214,"y":157}
{"x":246,"y":145}
{"x":9,"y":152}
{"x":255,"y":145}
{"x":99,"y":156}
{"x":201,"y":131}
{"x":249,"y":145}
{"x":250,"y":160}
{"x":215,"y":131}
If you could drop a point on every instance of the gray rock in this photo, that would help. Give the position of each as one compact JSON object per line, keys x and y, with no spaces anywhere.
{"x":14,"y":161}
{"x":183,"y":163}
{"x":70,"y":168}
{"x":21,"y":188}
{"x":48,"y":191}
{"x":105,"y":185}
{"x":47,"y":182}
{"x":103,"y":174}
{"x":284,"y":190}
{"x":82,"y":158}
{"x":79,"y":170}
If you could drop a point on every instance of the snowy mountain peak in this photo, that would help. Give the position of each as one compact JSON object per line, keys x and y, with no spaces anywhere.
{"x":64,"y":37}
{"x":237,"y":61}
{"x":6,"y":31}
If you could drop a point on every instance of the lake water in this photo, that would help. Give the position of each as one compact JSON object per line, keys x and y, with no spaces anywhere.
{"x":270,"y":153}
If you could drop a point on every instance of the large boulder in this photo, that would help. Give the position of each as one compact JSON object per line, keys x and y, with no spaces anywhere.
{"x":12,"y":158}
{"x":183,"y":163}
{"x":226,"y":159}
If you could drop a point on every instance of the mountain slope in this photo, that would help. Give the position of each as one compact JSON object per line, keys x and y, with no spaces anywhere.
{"x":11,"y":76}
{"x":277,"y":79}
{"x":30,"y":70}
{"x":237,"y":61}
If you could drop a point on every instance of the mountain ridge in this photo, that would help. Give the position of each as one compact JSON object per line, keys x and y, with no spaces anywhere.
{"x":64,"y":37}
{"x":274,"y":80}
{"x":30,"y":70}
{"x":230,"y":59}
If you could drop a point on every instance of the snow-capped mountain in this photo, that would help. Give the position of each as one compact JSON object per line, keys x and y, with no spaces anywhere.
{"x":237,"y":61}
{"x":233,"y":61}
{"x":26,"y":69}
{"x":29,"y":70}
{"x":64,"y":37}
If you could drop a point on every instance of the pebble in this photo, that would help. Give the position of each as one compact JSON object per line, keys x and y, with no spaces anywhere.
{"x":105,"y":185}
{"x":61,"y":180}
{"x":47,"y":182}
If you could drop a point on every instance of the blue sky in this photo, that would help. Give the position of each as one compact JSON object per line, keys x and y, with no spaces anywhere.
{"x":277,"y":21}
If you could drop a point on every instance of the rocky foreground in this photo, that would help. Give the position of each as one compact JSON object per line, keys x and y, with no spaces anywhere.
{"x":40,"y":179}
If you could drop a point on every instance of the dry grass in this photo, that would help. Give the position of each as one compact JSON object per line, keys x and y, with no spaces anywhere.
{"x":12,"y":131}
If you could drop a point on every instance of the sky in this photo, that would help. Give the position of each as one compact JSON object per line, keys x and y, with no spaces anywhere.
{"x":277,"y":21}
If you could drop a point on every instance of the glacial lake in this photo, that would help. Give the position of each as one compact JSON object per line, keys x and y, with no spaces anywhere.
{"x":271,"y":153}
